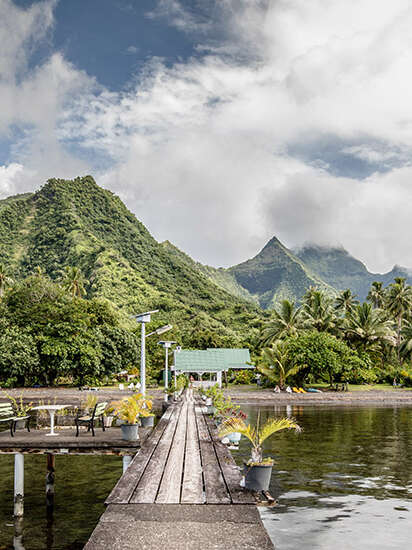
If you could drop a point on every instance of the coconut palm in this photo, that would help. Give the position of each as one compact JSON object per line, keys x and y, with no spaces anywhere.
{"x":318,"y":312}
{"x":367,"y":327}
{"x":398,"y":305}
{"x":345,"y":301}
{"x":406,"y":344}
{"x":376,"y":295}
{"x":257,"y":435}
{"x":73,"y":281}
{"x":280,"y":367}
{"x":5,"y":280}
{"x":287,"y":320}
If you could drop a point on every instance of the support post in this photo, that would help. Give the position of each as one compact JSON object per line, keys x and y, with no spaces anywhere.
{"x":50,"y":475}
{"x":18,"y":484}
{"x":143,"y":360}
{"x":219,"y":378}
{"x":126,"y":462}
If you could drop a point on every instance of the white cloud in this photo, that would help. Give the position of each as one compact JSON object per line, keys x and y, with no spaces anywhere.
{"x":199,"y":150}
{"x":9,"y":179}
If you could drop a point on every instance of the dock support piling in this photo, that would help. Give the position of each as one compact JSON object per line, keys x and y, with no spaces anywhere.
{"x":50,"y":475}
{"x":18,"y":484}
{"x":126,"y":461}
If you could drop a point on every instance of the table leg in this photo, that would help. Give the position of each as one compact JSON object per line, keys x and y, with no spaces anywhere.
{"x":52,"y":432}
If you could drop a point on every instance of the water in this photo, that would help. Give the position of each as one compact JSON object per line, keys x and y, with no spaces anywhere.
{"x":344,"y":483}
{"x":82,"y":484}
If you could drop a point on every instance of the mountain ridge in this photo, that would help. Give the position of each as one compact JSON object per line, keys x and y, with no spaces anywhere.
{"x":76,"y":222}
{"x":340,"y":269}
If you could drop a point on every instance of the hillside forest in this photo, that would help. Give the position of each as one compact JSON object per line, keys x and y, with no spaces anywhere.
{"x":75,"y":264}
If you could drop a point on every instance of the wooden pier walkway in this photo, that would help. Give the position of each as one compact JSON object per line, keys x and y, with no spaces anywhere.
{"x":181,"y":490}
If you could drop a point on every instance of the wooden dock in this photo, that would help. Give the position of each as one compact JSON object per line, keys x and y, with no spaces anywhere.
{"x":181,"y":490}
{"x":37,"y":442}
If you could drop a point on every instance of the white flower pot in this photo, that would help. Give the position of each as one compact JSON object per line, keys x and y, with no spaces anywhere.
{"x":130,"y":432}
{"x":234,"y":437}
{"x":147,"y":421}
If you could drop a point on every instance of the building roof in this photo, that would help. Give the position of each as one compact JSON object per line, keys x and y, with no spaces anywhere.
{"x":211,"y":360}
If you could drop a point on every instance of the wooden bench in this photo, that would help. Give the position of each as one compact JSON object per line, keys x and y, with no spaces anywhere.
{"x":7,"y":414}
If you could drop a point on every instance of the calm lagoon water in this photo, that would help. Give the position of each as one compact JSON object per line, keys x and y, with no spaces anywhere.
{"x":344,"y":483}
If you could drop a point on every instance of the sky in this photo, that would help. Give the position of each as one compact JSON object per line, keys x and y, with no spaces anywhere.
{"x":219,"y":123}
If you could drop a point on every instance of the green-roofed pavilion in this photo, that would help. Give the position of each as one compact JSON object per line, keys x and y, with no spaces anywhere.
{"x":213,"y":360}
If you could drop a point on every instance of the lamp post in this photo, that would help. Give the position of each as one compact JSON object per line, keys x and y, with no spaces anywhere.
{"x":144,"y":318}
{"x":167,"y":344}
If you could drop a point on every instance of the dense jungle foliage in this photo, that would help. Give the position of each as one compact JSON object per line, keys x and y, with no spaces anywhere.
{"x":341,"y":340}
{"x":75,"y":264}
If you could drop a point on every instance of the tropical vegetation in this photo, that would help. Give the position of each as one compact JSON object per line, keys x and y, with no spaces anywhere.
{"x":75,"y":264}
{"x":339,"y":339}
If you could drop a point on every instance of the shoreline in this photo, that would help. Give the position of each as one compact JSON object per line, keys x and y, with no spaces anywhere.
{"x":239,"y":395}
{"x":367,"y":397}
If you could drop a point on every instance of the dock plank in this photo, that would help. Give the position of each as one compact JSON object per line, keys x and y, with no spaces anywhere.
{"x":192,"y":487}
{"x":229,"y":469}
{"x":148,"y":486}
{"x":215,"y":487}
{"x":126,"y":485}
{"x":171,"y":484}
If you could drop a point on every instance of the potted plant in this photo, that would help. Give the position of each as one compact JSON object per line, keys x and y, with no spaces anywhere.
{"x":130,"y":410}
{"x":20,"y":410}
{"x":108,"y":416}
{"x":147,"y":419}
{"x":258,"y":470}
{"x":233,"y":411}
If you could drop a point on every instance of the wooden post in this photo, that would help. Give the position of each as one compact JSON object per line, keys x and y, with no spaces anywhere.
{"x":18,"y":484}
{"x":126,"y":461}
{"x":50,"y":479}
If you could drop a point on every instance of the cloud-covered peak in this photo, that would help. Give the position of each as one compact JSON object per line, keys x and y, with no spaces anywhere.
{"x":289,"y":118}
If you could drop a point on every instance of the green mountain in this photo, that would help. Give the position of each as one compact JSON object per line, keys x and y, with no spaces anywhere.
{"x":275,"y":274}
{"x":220,"y":276}
{"x":78,"y":223}
{"x":341,"y":270}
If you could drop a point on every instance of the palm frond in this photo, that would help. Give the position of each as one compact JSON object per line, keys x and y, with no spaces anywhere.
{"x":237,"y":425}
{"x":274,"y":425}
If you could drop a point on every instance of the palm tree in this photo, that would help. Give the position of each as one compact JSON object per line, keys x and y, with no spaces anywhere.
{"x":73,"y":281}
{"x":376,"y":295}
{"x":318,"y":311}
{"x":367,"y":328}
{"x":406,"y":344}
{"x":280,"y":367}
{"x":286,"y":322}
{"x":398,"y":305}
{"x":345,"y":301}
{"x":5,"y":280}
{"x":257,"y":435}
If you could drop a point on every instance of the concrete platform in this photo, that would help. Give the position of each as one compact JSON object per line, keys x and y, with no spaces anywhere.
{"x":180,"y":527}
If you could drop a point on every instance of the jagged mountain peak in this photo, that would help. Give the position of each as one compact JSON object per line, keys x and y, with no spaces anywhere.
{"x":275,"y":273}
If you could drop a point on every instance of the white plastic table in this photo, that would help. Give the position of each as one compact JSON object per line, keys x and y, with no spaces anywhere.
{"x":52,"y":411}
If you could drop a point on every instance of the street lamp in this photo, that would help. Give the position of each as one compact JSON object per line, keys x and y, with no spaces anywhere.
{"x":144,"y":318}
{"x":167,"y":344}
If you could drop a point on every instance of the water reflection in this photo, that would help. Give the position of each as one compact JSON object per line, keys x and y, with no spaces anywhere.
{"x":81,"y":486}
{"x":345,"y":482}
